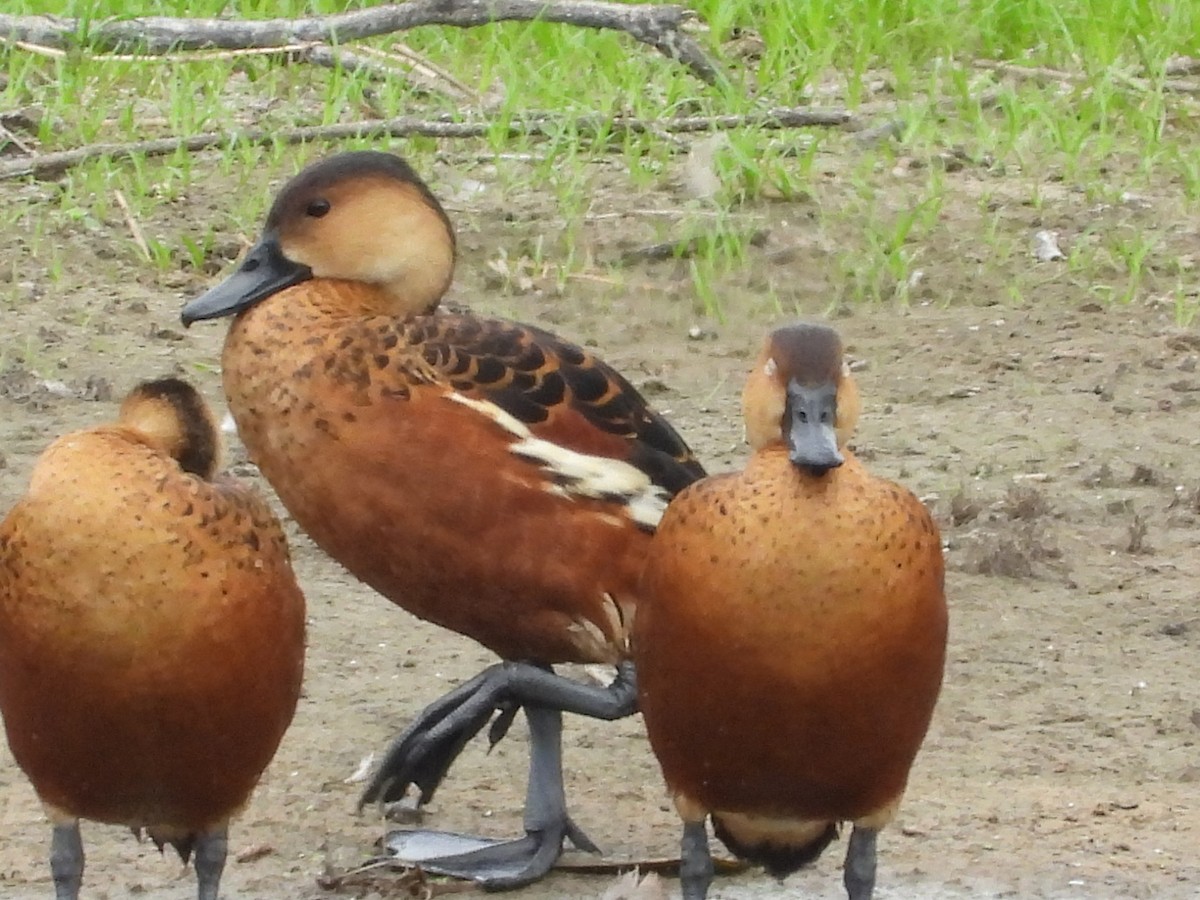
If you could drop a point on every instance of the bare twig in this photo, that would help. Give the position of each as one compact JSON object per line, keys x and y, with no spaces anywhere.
{"x":1170,"y":85}
{"x":208,"y":56}
{"x":380,"y":66}
{"x":425,"y":68}
{"x":1030,"y":73}
{"x":685,"y":248}
{"x":384,"y":67}
{"x":49,"y":165}
{"x":6,"y":136}
{"x":397,"y":879}
{"x":1182,"y":65}
{"x":1041,"y":73}
{"x":661,"y":27}
{"x":134,"y":228}
{"x":674,"y":212}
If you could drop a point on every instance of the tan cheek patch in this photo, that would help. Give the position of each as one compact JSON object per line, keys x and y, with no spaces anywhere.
{"x":848,"y":408}
{"x":297,"y":250}
{"x":762,"y":408}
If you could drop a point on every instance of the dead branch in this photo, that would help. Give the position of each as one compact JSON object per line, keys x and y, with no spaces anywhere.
{"x":7,"y":137}
{"x":425,"y":73}
{"x":661,"y":27}
{"x":1182,"y":65}
{"x":135,"y":230}
{"x":1041,"y":73}
{"x":49,"y":165}
{"x":685,"y":248}
{"x":378,"y":65}
{"x":170,"y":58}
{"x":385,"y":67}
{"x":1029,"y":73}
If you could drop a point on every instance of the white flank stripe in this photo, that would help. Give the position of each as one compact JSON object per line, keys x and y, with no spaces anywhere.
{"x":580,"y":474}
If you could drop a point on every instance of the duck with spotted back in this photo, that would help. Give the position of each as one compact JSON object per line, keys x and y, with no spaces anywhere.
{"x":151,"y":633}
{"x":485,"y":475}
{"x":792,"y":637}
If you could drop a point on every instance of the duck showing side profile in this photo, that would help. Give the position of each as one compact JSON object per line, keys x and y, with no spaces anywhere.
{"x":484,"y":475}
{"x":792,"y":637}
{"x":151,"y":633}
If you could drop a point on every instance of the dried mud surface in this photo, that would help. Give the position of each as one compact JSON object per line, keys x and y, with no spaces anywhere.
{"x":1056,"y":442}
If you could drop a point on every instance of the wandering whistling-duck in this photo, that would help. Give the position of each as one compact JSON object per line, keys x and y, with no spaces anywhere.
{"x":484,"y":475}
{"x":151,"y":633}
{"x":792,"y":635}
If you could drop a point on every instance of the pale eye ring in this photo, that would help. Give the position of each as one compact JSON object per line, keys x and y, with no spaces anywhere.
{"x":317,"y":208}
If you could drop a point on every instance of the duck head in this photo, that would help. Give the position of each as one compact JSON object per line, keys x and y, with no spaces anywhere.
{"x":360,"y":217}
{"x":801,"y":395}
{"x":171,"y":416}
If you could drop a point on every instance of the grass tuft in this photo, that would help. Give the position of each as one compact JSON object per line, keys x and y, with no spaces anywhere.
{"x":985,"y":158}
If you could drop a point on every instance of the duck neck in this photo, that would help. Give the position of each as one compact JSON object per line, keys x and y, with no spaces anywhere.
{"x":338,"y":300}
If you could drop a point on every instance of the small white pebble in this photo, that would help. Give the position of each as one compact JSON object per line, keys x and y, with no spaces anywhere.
{"x":1045,"y":246}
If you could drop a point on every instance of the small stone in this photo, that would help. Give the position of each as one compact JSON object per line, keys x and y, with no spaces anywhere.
{"x":1045,"y":246}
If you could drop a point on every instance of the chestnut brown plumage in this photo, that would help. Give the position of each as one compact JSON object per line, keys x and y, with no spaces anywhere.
{"x":792,"y":636}
{"x":483,"y":474}
{"x":151,"y":633}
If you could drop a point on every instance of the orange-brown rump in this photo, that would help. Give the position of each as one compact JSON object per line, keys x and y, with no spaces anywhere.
{"x":151,"y":629}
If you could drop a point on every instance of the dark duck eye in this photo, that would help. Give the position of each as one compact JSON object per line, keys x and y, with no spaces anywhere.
{"x":317,"y":208}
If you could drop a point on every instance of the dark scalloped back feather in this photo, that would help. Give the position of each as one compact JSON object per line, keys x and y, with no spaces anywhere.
{"x":555,"y":387}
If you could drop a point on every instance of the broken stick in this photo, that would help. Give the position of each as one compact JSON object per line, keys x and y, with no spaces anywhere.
{"x":659,"y":26}
{"x":48,"y":165}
